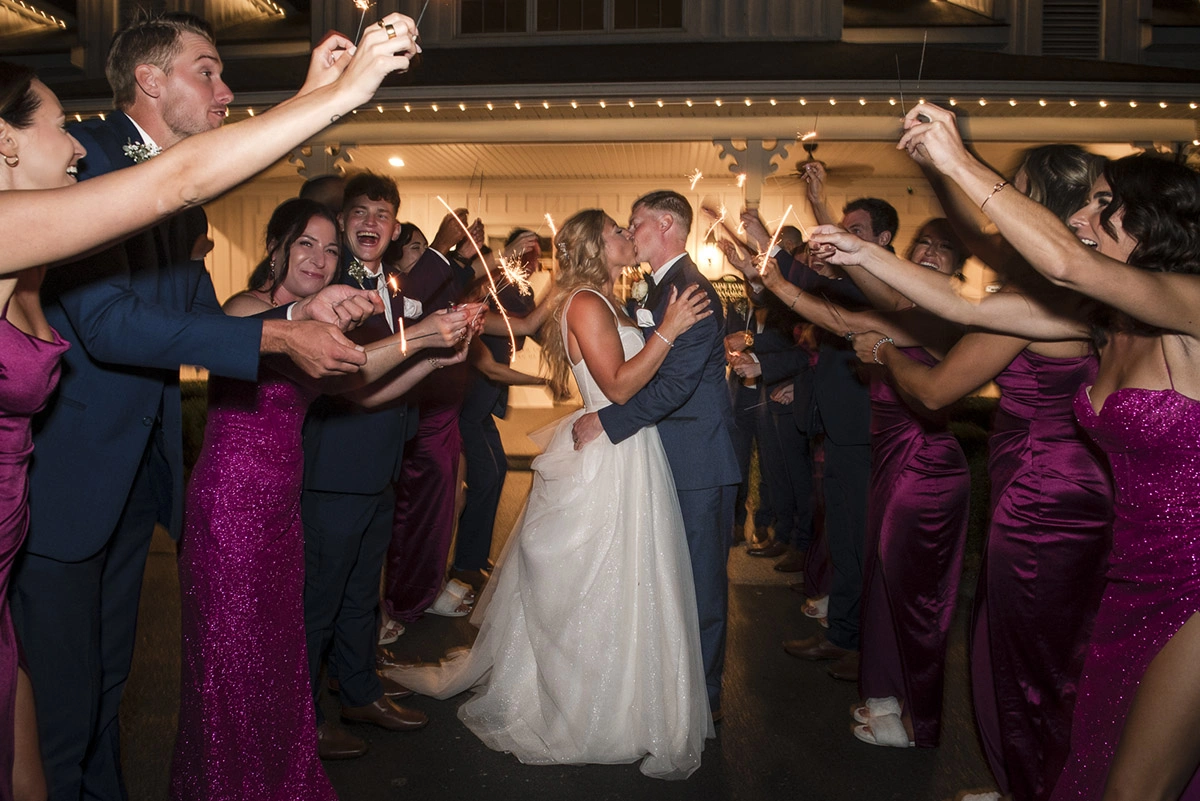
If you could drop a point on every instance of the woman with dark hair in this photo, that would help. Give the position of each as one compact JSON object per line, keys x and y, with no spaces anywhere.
{"x":246,"y":723}
{"x":598,"y":554}
{"x":1135,"y":247}
{"x":916,"y":515}
{"x":1051,"y":499}
{"x":40,"y":159}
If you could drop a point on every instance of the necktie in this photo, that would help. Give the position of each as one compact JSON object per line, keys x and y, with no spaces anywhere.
{"x":370,"y":282}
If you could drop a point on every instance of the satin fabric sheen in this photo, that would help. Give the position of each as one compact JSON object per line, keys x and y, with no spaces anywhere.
{"x":589,"y":644}
{"x":247,"y":729}
{"x":1150,"y":437}
{"x":29,"y":372}
{"x":916,"y":530}
{"x":1042,"y":571}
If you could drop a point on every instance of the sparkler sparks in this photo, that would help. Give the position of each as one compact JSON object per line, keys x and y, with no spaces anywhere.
{"x":363,"y":6}
{"x":718,"y":219}
{"x":695,"y":178}
{"x":394,"y":286}
{"x":493,"y":290}
{"x":741,"y":183}
{"x":513,"y":274}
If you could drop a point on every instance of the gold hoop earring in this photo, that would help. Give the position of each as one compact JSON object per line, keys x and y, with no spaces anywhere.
{"x":12,"y":161}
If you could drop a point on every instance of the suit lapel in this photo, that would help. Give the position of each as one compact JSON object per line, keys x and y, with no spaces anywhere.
{"x":656,"y":294}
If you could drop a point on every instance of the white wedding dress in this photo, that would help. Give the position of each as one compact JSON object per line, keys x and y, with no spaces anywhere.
{"x":589,"y":646}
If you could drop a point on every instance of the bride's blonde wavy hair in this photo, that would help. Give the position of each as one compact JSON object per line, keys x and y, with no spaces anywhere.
{"x":579,"y":247}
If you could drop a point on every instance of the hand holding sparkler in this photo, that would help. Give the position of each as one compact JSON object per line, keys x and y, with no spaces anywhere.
{"x":738,"y":341}
{"x":785,"y":394}
{"x":741,"y":261}
{"x":868,"y":345}
{"x":747,"y":367}
{"x":771,"y":277}
{"x":469,"y":247}
{"x":340,"y":305}
{"x":834,"y":245}
{"x":526,"y":242}
{"x":935,"y":143}
{"x":814,"y":176}
{"x":446,"y":327}
{"x":752,"y":224}
{"x":452,"y":230}
{"x":356,"y":72}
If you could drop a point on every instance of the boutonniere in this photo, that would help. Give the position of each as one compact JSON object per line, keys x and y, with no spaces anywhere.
{"x":140,"y":151}
{"x":358,"y":271}
{"x":641,"y":290}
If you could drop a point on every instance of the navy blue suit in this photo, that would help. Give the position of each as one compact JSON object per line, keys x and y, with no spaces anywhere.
{"x":109,"y":465}
{"x":689,"y":402}
{"x":487,"y":464}
{"x":351,"y":458}
{"x":841,"y":408}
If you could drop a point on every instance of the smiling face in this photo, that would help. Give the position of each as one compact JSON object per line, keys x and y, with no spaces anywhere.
{"x":1086,"y":224}
{"x":937,"y":249}
{"x":47,"y":153}
{"x":193,"y":97}
{"x":311,"y":261}
{"x":411,"y":253}
{"x":369,"y":225}
{"x":619,"y":251}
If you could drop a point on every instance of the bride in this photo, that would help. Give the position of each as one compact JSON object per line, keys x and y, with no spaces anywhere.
{"x":589,"y":646}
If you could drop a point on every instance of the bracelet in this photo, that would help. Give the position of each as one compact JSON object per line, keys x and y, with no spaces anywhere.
{"x":999,"y":185}
{"x":670,"y":344}
{"x":878,"y":345}
{"x":434,"y":363}
{"x":792,"y":305}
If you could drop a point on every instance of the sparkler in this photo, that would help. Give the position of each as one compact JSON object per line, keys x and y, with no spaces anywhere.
{"x":394,"y":286}
{"x":493,"y":290}
{"x":900,"y":82}
{"x":762,"y":267}
{"x":719,"y":219}
{"x":800,"y":225}
{"x":741,"y":182}
{"x":921,"y":66}
{"x":363,"y":6}
{"x":553,"y":244}
{"x":695,"y":178}
{"x":513,"y":274}
{"x":421,"y":16}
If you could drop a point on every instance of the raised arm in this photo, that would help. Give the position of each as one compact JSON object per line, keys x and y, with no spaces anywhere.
{"x":1004,"y":312}
{"x":1167,"y":300}
{"x":108,"y":208}
{"x":592,"y":332}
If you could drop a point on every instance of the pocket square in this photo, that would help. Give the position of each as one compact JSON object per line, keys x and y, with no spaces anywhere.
{"x":412,"y":308}
{"x":645,"y":319}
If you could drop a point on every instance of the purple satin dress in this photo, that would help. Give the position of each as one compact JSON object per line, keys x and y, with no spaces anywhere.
{"x":1042,"y":572}
{"x":247,"y":729}
{"x":1150,"y":437}
{"x":916,"y":530}
{"x":29,"y":370}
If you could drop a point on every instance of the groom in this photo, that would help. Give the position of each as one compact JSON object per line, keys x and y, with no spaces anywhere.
{"x":689,"y":401}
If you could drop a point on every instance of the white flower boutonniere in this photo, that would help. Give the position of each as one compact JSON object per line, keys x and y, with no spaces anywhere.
{"x":358,"y":271}
{"x":140,"y":151}
{"x":640,"y":291}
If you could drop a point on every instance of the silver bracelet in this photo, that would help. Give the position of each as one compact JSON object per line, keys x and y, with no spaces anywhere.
{"x":670,"y":344}
{"x":878,"y":345}
{"x":434,"y":363}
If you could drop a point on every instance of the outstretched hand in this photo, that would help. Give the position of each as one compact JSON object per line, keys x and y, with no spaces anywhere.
{"x":755,"y":230}
{"x":340,"y":305}
{"x":834,"y":245}
{"x":743,"y":262}
{"x":387,"y":46}
{"x":320,"y":349}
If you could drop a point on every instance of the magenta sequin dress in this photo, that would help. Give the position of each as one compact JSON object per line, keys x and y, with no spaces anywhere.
{"x":1152,"y":438}
{"x":29,"y":372}
{"x":247,"y":728}
{"x":912,"y":559}
{"x":1042,"y":572}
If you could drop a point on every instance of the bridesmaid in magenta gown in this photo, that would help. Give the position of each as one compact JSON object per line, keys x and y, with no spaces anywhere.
{"x":247,"y":728}
{"x":1135,"y":246}
{"x":917,"y":514}
{"x":916,"y":530}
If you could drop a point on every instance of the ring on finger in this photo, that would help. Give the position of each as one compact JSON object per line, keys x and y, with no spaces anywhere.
{"x":391,"y":30}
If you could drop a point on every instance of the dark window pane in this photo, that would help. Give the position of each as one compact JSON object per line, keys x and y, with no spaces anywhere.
{"x":649,"y":15}
{"x":516,"y":16}
{"x":593,"y":15}
{"x":570,"y":15}
{"x":624,"y":14}
{"x":547,"y":15}
{"x":472,"y":16}
{"x":672,"y":13}
{"x":631,"y":14}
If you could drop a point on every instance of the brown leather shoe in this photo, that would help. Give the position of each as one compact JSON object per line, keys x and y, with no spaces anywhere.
{"x":846,"y":668}
{"x":334,"y":742}
{"x":815,"y":648}
{"x":793,"y":562}
{"x":768,"y":550}
{"x":386,"y":715}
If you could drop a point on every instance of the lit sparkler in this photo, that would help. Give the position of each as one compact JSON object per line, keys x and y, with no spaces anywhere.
{"x":762,"y":267}
{"x":394,"y":286}
{"x":493,"y":290}
{"x":512,"y":272}
{"x":718,"y":219}
{"x":695,"y":178}
{"x":741,"y":182}
{"x":553,"y":244}
{"x":800,"y":225}
{"x":363,"y":6}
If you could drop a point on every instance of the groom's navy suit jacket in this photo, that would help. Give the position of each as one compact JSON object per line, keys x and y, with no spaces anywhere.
{"x":688,"y":398}
{"x":132,"y":314}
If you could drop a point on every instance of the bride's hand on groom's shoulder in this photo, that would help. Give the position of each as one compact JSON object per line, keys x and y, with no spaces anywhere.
{"x":586,"y":429}
{"x":684,"y":310}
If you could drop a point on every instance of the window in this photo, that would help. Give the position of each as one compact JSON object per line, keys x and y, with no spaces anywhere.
{"x":493,"y":16}
{"x":552,"y":16}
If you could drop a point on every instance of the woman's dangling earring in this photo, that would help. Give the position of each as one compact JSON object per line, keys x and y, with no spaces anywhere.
{"x":12,"y":161}
{"x":272,"y":276}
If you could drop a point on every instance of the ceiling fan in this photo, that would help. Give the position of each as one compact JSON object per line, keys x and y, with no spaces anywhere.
{"x":835,"y":174}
